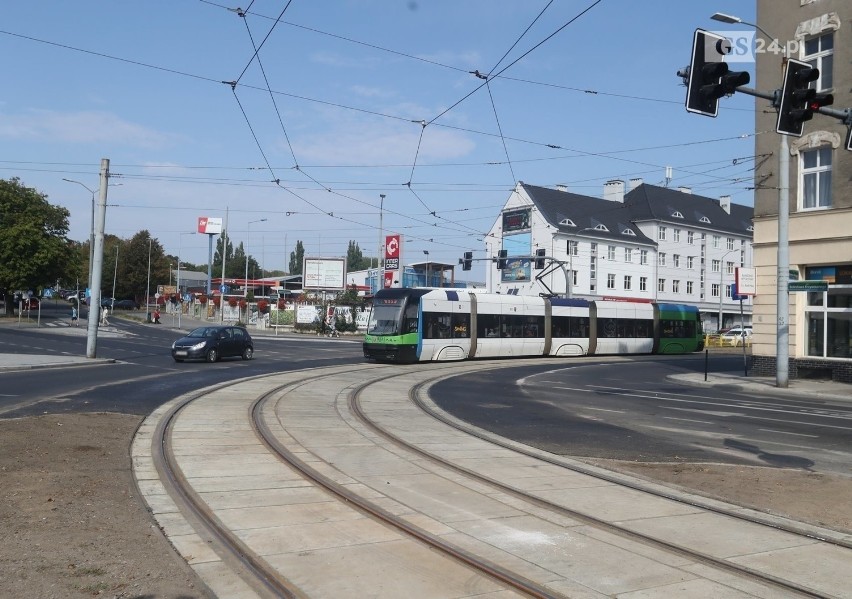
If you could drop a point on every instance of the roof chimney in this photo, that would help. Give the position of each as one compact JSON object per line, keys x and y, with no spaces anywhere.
{"x":614,"y":191}
{"x":685,"y":189}
{"x":561,"y":187}
{"x":634,"y":183}
{"x":725,"y":203}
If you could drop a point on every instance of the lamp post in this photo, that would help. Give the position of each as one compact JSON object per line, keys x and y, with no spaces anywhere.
{"x":380,"y":272}
{"x":722,"y":283}
{"x":427,"y":267}
{"x":782,"y":308}
{"x":248,"y":238}
{"x":91,"y":230}
{"x":180,"y":297}
{"x":148,"y":284}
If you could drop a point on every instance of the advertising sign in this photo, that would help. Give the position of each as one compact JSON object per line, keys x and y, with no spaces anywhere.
{"x":393,"y":247}
{"x":517,"y":220}
{"x":324,"y":273}
{"x":211,"y":226}
{"x":388,"y":283}
{"x":746,"y":281}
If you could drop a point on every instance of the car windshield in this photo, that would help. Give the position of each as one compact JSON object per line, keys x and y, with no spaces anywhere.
{"x":206,"y":332}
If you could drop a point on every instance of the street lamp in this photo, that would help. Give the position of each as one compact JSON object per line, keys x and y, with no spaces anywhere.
{"x":180,"y":249}
{"x":248,"y":237}
{"x":782,"y":303}
{"x":427,"y":267}
{"x":722,"y":283}
{"x":380,"y":274}
{"x":91,"y":230}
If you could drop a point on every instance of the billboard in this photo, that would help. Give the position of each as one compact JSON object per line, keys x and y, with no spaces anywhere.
{"x":324,"y":273}
{"x":211,"y":226}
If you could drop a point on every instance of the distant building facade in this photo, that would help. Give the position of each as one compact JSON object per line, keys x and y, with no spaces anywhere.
{"x":648,"y":244}
{"x":820,"y":206}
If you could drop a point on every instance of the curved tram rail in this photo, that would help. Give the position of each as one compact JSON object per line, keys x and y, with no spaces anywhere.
{"x":266,"y":580}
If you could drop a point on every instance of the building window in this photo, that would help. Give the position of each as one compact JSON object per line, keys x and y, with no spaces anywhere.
{"x":717,"y":266}
{"x":628,"y":255}
{"x":730,"y":243}
{"x":627,"y":282}
{"x":676,"y":260}
{"x":643,"y":256}
{"x":573,"y":248}
{"x":829,"y":322}
{"x":676,"y":233}
{"x":675,"y":286}
{"x":819,"y":53}
{"x":643,"y":283}
{"x":729,"y":268}
{"x":690,"y":262}
{"x":728,"y":291}
{"x":689,"y":287}
{"x":816,"y":178}
{"x":690,"y":237}
{"x":714,"y":290}
{"x":610,"y":281}
{"x":610,"y":253}
{"x":716,"y":241}
{"x":662,"y":259}
{"x":662,"y":234}
{"x":661,"y":285}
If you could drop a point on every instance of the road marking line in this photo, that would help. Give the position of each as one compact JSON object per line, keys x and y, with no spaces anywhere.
{"x":769,"y":430}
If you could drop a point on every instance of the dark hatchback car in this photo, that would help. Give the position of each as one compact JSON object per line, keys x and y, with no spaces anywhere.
{"x":125,"y":304}
{"x":211,"y":343}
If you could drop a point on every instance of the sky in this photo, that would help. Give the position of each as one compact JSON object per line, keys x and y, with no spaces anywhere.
{"x":291,"y":119}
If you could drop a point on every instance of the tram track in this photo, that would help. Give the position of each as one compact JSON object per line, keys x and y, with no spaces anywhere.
{"x":267,"y":411}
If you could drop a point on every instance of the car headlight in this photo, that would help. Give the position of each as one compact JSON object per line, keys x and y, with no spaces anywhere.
{"x":198,"y":346}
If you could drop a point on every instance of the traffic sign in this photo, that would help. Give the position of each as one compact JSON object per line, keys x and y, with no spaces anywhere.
{"x":810,"y":286}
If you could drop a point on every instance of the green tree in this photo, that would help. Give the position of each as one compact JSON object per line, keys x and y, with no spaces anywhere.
{"x":34,"y":249}
{"x":355,"y":259}
{"x":140,"y":251}
{"x":297,"y":257}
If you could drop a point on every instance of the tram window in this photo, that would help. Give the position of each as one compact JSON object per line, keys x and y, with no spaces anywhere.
{"x":487,"y":325}
{"x":513,"y":326}
{"x":410,"y":321}
{"x":626,"y":328}
{"x":643,"y":329}
{"x":677,"y":329}
{"x":437,"y":325}
{"x":580,"y":327}
{"x":608,"y":328}
{"x":560,"y":326}
{"x":461,"y":326}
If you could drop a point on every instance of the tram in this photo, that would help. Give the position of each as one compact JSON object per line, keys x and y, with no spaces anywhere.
{"x":422,"y":325}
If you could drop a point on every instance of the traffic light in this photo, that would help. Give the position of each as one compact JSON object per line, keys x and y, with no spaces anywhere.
{"x":468,"y":261}
{"x":501,"y":259}
{"x":799,"y":101}
{"x":539,"y":258}
{"x":708,"y":78}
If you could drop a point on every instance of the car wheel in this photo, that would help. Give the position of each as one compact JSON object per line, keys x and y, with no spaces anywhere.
{"x":212,"y":355}
{"x":248,"y":353}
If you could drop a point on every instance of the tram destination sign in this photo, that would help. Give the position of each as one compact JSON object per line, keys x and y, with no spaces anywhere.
{"x":810,"y":286}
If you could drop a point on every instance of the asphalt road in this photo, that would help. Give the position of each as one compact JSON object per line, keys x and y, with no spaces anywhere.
{"x":143,"y":375}
{"x":628,"y":410}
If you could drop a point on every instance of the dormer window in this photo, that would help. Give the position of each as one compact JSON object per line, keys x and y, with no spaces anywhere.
{"x":601,"y":228}
{"x":677,"y":214}
{"x":567,"y":222}
{"x":704,"y":219}
{"x":750,"y":229}
{"x":628,"y":232}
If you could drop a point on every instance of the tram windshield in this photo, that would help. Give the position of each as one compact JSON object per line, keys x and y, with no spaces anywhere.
{"x":385,"y":316}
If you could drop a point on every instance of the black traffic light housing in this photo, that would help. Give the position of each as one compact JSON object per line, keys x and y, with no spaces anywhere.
{"x":799,"y":101}
{"x":467,"y":263}
{"x":501,"y":259}
{"x":708,"y":78}
{"x":539,"y":258}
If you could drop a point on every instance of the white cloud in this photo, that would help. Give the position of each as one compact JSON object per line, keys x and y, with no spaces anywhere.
{"x":79,"y":127}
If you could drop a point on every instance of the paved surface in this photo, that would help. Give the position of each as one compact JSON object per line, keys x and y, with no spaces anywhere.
{"x":190,"y":434}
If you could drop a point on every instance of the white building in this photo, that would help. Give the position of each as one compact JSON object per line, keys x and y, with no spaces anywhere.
{"x":650,"y":244}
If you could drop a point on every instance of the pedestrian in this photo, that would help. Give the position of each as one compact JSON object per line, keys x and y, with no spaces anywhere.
{"x":156,"y":316}
{"x":104,"y":316}
{"x":74,"y":316}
